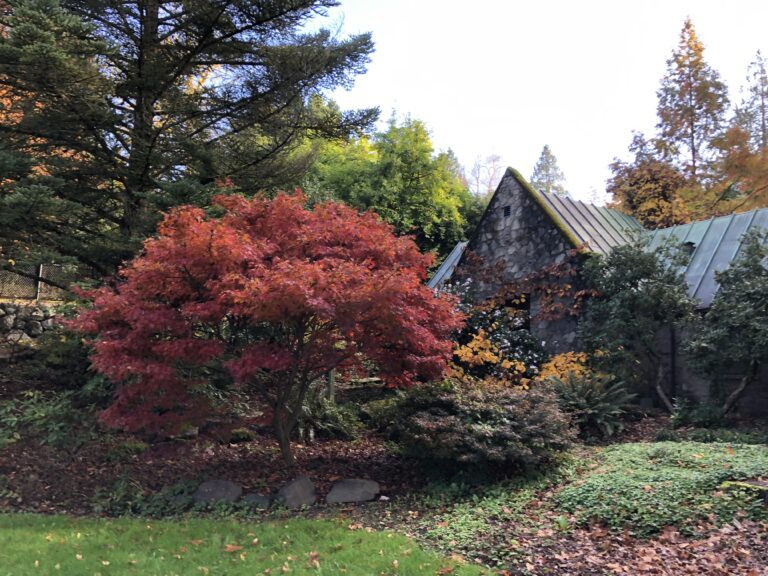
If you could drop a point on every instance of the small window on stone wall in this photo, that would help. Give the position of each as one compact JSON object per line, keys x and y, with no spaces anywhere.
{"x":507,"y":211}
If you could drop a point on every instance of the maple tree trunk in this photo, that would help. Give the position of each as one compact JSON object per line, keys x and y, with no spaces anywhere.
{"x":283,"y":433}
{"x":286,"y":417}
{"x":734,"y":396}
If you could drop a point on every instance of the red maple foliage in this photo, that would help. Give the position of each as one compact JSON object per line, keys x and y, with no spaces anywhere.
{"x":273,"y":296}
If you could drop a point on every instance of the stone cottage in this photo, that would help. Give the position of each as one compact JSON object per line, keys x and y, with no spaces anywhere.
{"x":524,"y":230}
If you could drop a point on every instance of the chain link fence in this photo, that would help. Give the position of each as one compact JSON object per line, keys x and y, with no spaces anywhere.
{"x":30,"y":285}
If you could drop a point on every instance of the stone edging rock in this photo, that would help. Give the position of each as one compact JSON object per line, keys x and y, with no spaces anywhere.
{"x":296,"y":494}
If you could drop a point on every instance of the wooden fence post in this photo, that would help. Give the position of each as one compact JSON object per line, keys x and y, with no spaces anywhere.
{"x":38,"y":275}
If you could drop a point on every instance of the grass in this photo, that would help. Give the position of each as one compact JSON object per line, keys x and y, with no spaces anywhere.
{"x":37,"y":545}
{"x":645,"y":487}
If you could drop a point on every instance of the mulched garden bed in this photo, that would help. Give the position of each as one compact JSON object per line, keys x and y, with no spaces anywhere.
{"x":40,"y":479}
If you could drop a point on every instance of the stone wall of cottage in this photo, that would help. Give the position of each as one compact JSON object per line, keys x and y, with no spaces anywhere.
{"x":681,"y":381}
{"x":519,"y":235}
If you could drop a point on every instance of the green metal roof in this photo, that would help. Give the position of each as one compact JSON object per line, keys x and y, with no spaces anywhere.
{"x":444,"y":273}
{"x":598,"y":228}
{"x":715,"y":244}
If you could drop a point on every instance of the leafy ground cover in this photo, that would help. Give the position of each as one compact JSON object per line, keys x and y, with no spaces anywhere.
{"x":638,"y":508}
{"x":647,"y":487}
{"x":74,"y":546}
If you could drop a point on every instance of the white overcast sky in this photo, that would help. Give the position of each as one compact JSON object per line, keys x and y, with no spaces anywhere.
{"x":507,"y":77}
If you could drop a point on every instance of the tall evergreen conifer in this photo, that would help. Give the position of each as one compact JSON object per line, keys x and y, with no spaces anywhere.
{"x":547,"y":175}
{"x":117,"y":109}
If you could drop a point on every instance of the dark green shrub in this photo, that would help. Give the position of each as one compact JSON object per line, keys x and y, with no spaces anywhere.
{"x":713,"y":435}
{"x":127,"y":497}
{"x":727,"y":435}
{"x":62,"y":359}
{"x":697,"y":414}
{"x":329,"y":419}
{"x":382,"y":414}
{"x":55,"y":419}
{"x":667,"y":435}
{"x":636,"y":293}
{"x":733,"y":335}
{"x":242,"y":435}
{"x":125,"y":450}
{"x":595,"y":403}
{"x":454,"y":423}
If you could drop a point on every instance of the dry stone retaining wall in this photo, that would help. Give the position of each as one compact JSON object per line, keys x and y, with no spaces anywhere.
{"x":20,"y":323}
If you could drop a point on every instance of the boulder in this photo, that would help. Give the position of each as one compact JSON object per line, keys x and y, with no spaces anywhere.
{"x":7,"y":322}
{"x":34,"y":328}
{"x":212,"y":491}
{"x":37,"y":314}
{"x":256,"y":501}
{"x":297,"y":493}
{"x":353,"y":490}
{"x":18,"y":337}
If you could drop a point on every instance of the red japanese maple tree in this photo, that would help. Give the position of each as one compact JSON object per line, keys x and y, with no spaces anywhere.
{"x":272,"y":296}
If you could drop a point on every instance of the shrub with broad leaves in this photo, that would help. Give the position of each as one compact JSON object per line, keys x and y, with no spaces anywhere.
{"x":596,"y":403}
{"x":733,"y":335}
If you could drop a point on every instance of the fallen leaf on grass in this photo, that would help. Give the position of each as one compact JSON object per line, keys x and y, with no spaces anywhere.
{"x":232,"y":548}
{"x":196,"y":542}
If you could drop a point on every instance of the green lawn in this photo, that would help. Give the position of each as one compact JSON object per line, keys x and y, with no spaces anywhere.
{"x":79,"y":546}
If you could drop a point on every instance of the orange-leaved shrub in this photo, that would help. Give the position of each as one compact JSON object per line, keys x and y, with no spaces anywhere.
{"x":268,"y":297}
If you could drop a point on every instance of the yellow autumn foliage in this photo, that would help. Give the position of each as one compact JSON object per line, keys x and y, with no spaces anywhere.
{"x":560,"y":365}
{"x":478,"y":351}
